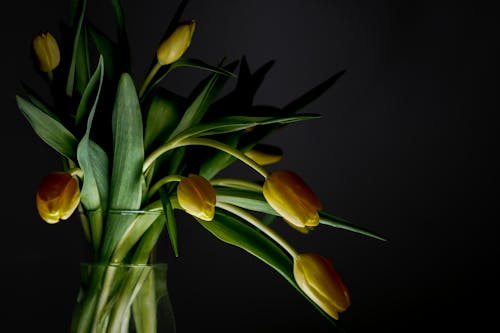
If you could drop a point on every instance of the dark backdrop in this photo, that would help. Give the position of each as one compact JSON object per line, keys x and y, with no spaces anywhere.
{"x":405,"y":148}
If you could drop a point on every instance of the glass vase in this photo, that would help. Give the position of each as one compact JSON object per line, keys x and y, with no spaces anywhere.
{"x":123,"y":298}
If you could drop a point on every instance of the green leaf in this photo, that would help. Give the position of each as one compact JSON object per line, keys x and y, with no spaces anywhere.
{"x":195,"y":63}
{"x":255,"y":201}
{"x":108,"y":49}
{"x":49,"y":129}
{"x":148,"y":240}
{"x":95,"y":81}
{"x":238,"y":123}
{"x":171,"y":222}
{"x":94,"y":163}
{"x":78,"y":73}
{"x":37,"y":101}
{"x":230,"y":230}
{"x":128,"y":147}
{"x":246,"y":199}
{"x":338,"y":222}
{"x":128,"y":157}
{"x":161,"y":119}
{"x":92,"y":158}
{"x":135,"y":226}
{"x":235,"y":232}
{"x":218,"y":160}
{"x":199,"y":106}
{"x":312,"y":94}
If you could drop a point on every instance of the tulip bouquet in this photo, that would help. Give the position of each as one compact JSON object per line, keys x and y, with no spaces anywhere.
{"x":134,"y":152}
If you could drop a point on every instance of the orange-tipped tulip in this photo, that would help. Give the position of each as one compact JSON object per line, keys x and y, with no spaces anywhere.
{"x":319,"y":280}
{"x":265,"y":154}
{"x":172,"y":48}
{"x":197,"y":197}
{"x":57,"y":197}
{"x":46,"y":51}
{"x":290,"y":196}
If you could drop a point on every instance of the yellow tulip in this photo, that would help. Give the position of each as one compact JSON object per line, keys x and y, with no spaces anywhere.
{"x":172,"y":48}
{"x":290,"y":196}
{"x":319,"y":280}
{"x":57,"y":197}
{"x":265,"y":154}
{"x":46,"y":51}
{"x":197,"y":197}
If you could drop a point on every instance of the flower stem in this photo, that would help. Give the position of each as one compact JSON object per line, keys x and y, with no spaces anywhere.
{"x":203,"y":142}
{"x":156,"y":186}
{"x":261,"y":226}
{"x":148,"y":79}
{"x":238,"y":183}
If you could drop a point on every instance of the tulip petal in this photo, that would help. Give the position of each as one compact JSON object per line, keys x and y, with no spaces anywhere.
{"x":58,"y":197}
{"x":197,"y":197}
{"x":290,"y":196}
{"x":317,"y":277}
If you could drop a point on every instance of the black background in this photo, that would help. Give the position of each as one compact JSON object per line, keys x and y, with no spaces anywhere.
{"x":405,"y":147}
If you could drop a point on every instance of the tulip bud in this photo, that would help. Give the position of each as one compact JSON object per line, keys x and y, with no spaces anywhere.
{"x":265,"y":154}
{"x":172,"y":48}
{"x":197,"y":197}
{"x":57,"y":197}
{"x":47,"y":51}
{"x":319,"y":280}
{"x":290,"y":196}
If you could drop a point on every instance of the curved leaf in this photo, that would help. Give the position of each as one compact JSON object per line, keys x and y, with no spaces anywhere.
{"x":78,"y":74}
{"x":255,"y":201}
{"x":229,"y":229}
{"x":49,"y":129}
{"x":195,"y":63}
{"x":338,"y":222}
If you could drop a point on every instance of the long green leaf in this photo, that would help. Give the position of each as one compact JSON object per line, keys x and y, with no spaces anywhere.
{"x":250,"y":200}
{"x":128,"y":147}
{"x":38,"y":102}
{"x":94,"y":163}
{"x":108,"y":49}
{"x":171,"y":222}
{"x":95,"y":81}
{"x":199,"y":106}
{"x":235,"y":232}
{"x":78,"y":71}
{"x":128,"y":157}
{"x":135,"y":225}
{"x":255,"y":201}
{"x":196,"y":63}
{"x":338,"y":222}
{"x":218,"y":160}
{"x":49,"y":129}
{"x":162,"y":117}
{"x":238,"y":123}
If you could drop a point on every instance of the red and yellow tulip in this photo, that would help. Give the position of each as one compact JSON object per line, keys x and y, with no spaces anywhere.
{"x":57,"y":197}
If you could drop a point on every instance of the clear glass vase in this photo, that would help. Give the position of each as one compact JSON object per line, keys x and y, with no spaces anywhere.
{"x":123,"y":298}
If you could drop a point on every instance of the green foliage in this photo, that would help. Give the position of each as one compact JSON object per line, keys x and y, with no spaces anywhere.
{"x":125,"y":139}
